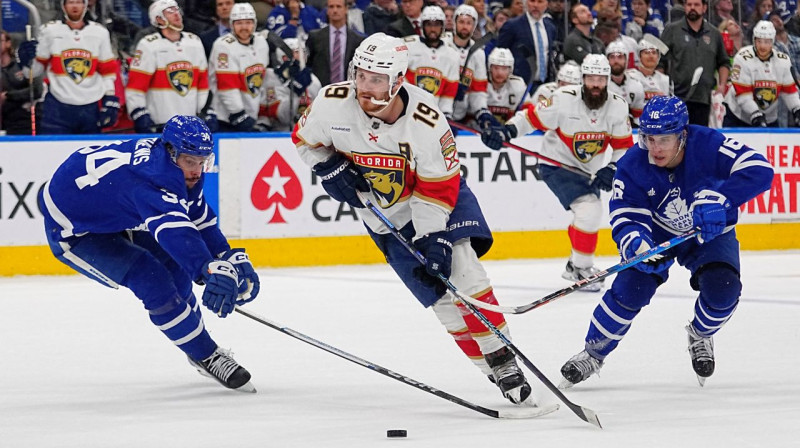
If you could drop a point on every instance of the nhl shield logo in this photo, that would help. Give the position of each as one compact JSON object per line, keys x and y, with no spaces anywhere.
{"x":428,"y":79}
{"x":586,"y":145}
{"x":77,"y":64}
{"x":254,"y":79}
{"x":386,"y":174}
{"x":181,"y":76}
{"x":765,"y":93}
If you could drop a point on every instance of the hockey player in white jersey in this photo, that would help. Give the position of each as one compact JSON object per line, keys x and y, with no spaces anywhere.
{"x":81,"y":71}
{"x":505,"y":90}
{"x":587,"y":128}
{"x":388,"y":140}
{"x":760,"y":76}
{"x":287,"y":99}
{"x":433,"y":65}
{"x":237,"y":66}
{"x":568,"y":75}
{"x":628,"y":88}
{"x":470,"y":100}
{"x":653,"y":81}
{"x":169,"y":73}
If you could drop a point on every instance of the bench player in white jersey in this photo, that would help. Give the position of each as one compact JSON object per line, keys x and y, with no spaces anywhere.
{"x":287,"y":99}
{"x":81,"y":71}
{"x":760,"y":75}
{"x":169,"y":73}
{"x":587,"y":128}
{"x":236,"y":68}
{"x":375,"y":131}
{"x":628,"y":88}
{"x":653,"y":81}
{"x":433,"y":65}
{"x":568,"y":75}
{"x":505,"y":90}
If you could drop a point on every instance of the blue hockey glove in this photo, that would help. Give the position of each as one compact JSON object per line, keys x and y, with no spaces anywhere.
{"x":635,"y":243}
{"x":461,"y":92}
{"x":341,"y":179}
{"x":249,"y":284}
{"x":109,"y":109}
{"x":26,"y":52}
{"x":242,"y":122}
{"x":709,"y":214}
{"x":284,"y":71}
{"x":210,"y":117}
{"x":222,"y":287}
{"x":757,"y":120}
{"x":301,"y":81}
{"x":604,"y":178}
{"x":438,"y":251}
{"x":142,"y":123}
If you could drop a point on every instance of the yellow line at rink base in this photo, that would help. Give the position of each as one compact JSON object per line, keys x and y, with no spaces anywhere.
{"x":37,"y":260}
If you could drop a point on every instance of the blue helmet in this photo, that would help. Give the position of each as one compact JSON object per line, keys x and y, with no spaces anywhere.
{"x":187,"y":135}
{"x":663,"y":115}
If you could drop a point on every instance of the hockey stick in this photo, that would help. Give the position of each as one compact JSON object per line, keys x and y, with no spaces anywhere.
{"x":31,"y":87}
{"x":698,"y":72}
{"x":621,"y":266}
{"x":480,"y":43}
{"x":584,"y":414}
{"x":514,"y":414}
{"x":524,"y":151}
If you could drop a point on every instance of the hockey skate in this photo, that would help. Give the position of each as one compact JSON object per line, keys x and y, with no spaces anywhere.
{"x":576,"y":274}
{"x":225,"y":370}
{"x":579,"y":368}
{"x":701,"y":350}
{"x":509,"y":378}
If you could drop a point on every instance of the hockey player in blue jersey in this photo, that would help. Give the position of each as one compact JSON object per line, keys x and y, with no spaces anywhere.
{"x":678,"y":177}
{"x":132,"y":214}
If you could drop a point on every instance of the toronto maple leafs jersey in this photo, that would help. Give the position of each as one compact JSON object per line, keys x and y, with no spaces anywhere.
{"x":80,"y":65}
{"x":434,"y":70}
{"x":656,"y":200}
{"x":474,"y":77}
{"x":576,"y":135}
{"x":656,"y":84}
{"x":168,"y":78}
{"x":503,"y":102}
{"x":134,"y":184}
{"x":757,"y":85}
{"x":281,"y":104}
{"x":236,"y":75}
{"x":632,"y":92}
{"x":412,"y":164}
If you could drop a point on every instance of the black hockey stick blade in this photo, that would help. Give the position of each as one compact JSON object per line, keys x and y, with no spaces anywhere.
{"x":519,"y":413}
{"x":277,"y":42}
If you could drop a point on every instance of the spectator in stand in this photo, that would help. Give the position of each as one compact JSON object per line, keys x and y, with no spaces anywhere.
{"x":485,"y":23}
{"x":609,"y":4}
{"x":678,"y":11}
{"x":734,"y":40}
{"x":331,"y":48}
{"x":722,"y":9}
{"x":516,"y":7}
{"x":530,"y":37}
{"x":198,"y":15}
{"x":81,"y":70}
{"x":580,"y":41}
{"x":449,"y":24}
{"x":642,"y":21}
{"x":222,"y":25}
{"x":555,"y":10}
{"x":762,"y":9}
{"x":16,"y":92}
{"x":122,"y":30}
{"x":378,"y":15}
{"x":355,"y":17}
{"x":612,"y":16}
{"x":294,"y":19}
{"x":409,"y":22}
{"x":500,"y":19}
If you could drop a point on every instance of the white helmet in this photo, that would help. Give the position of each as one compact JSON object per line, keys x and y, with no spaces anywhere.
{"x":616,"y":47}
{"x":645,"y":44}
{"x":569,"y":73}
{"x":432,"y":14}
{"x":382,"y":54}
{"x":467,"y":10}
{"x":293,"y":43}
{"x":501,"y":57}
{"x":764,"y":29}
{"x":595,"y":64}
{"x":242,"y":11}
{"x":157,"y":10}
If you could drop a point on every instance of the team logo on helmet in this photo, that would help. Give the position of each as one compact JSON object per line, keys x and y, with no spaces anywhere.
{"x":386,"y":174}
{"x":765,"y":93}
{"x":254,"y":79}
{"x":181,"y":76}
{"x":77,"y":64}
{"x":586,"y":145}
{"x":428,"y":79}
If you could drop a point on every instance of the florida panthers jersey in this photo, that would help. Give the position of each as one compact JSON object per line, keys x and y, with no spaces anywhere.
{"x":236,"y":75}
{"x":544,"y":92}
{"x":80,"y":65}
{"x":125,"y":185}
{"x":168,"y":78}
{"x":474,"y":78}
{"x":434,"y":70}
{"x":657,"y":84}
{"x":503,"y":102}
{"x":576,"y":135}
{"x":632,"y":92}
{"x":656,"y":200}
{"x":412,"y":164}
{"x":757,"y":85}
{"x":281,"y":104}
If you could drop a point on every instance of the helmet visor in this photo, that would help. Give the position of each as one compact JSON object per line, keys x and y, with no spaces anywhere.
{"x":660,"y":141}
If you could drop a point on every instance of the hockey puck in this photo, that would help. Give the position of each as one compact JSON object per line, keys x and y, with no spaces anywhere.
{"x":396,"y":433}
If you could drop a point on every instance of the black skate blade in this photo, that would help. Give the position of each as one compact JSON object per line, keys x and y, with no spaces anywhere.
{"x":529,"y":411}
{"x":701,"y":380}
{"x":246,"y":388}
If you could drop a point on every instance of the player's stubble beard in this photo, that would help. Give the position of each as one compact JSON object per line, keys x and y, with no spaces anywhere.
{"x":594,"y":97}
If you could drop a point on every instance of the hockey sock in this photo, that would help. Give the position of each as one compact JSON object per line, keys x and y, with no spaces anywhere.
{"x":487,"y":341}
{"x":584,"y":245}
{"x":182,"y":326}
{"x":450,"y":317}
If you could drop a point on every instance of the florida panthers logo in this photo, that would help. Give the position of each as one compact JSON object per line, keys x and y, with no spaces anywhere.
{"x":466,"y":78}
{"x":765,"y":93}
{"x":586,"y":145}
{"x":181,"y":76}
{"x":428,"y":79}
{"x":386,"y":173}
{"x":77,"y":64}
{"x":254,"y":79}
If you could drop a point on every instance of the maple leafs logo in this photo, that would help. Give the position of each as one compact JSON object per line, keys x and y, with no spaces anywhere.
{"x":676,"y":208}
{"x":276,"y":185}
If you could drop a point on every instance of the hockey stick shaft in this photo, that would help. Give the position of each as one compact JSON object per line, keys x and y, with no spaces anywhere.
{"x":524,"y":150}
{"x":31,"y":87}
{"x":382,"y":370}
{"x":480,"y":43}
{"x":584,"y":414}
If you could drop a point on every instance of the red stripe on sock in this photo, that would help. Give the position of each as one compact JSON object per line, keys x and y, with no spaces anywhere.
{"x":582,"y":241}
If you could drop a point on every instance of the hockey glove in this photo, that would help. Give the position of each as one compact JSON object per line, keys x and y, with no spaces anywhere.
{"x":210,"y":117}
{"x":341,"y":179}
{"x":709,"y":214}
{"x":109,"y":109}
{"x":438,"y":251}
{"x":26,"y":52}
{"x":241,"y":122}
{"x":634,"y":244}
{"x":796,"y":114}
{"x":249,"y":284}
{"x":222,"y":287}
{"x":301,"y":81}
{"x":285,"y":70}
{"x":142,"y":123}
{"x":461,"y":92}
{"x":757,"y":120}
{"x":604,"y":178}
